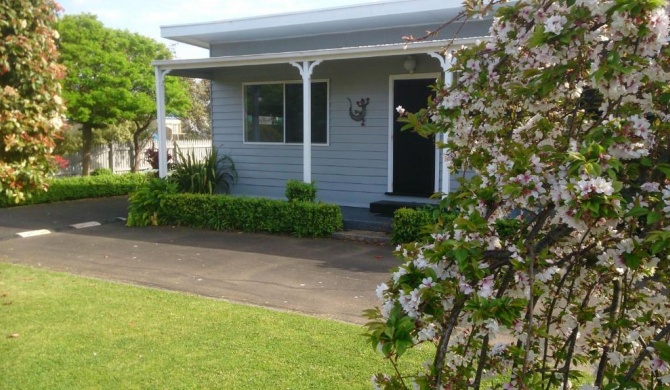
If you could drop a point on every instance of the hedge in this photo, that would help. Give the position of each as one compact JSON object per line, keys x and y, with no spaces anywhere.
{"x":223,"y":212}
{"x":70,"y":188}
{"x":411,"y":225}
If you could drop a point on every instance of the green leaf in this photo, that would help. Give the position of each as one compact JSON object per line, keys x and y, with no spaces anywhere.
{"x":665,"y":169}
{"x":653,"y":217}
{"x":663,"y":350}
{"x":632,"y":260}
{"x":637,"y":212}
{"x":461,"y":254}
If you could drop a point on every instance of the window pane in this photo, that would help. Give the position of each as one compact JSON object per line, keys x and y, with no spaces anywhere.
{"x":294,"y":115}
{"x":264,"y":111}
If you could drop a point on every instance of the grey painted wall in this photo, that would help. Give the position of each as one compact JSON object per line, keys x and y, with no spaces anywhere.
{"x":352,"y":169}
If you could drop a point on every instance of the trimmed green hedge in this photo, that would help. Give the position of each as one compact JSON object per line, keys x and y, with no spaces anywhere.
{"x":411,"y":225}
{"x":222,"y":212}
{"x":70,"y":188}
{"x":297,"y":191}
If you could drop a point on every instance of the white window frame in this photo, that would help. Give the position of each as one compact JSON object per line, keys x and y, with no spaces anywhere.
{"x":284,"y":82}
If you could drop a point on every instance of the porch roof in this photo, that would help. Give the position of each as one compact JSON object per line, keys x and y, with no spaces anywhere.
{"x":204,"y":67}
{"x":362,"y":17}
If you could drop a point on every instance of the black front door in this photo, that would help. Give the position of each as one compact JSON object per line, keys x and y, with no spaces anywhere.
{"x":413,"y":155}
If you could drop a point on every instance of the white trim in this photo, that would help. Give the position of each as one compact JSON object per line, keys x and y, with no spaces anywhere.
{"x":446,"y":62}
{"x":392,"y":79}
{"x":311,"y":55}
{"x":306,"y":69}
{"x":160,"y":120}
{"x":284,"y":82}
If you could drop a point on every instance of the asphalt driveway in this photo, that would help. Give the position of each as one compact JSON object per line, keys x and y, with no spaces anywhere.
{"x":322,"y":277}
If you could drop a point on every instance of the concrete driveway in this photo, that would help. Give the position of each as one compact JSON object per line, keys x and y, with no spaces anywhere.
{"x":323,"y":277}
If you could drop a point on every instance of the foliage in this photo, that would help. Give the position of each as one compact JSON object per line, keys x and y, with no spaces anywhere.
{"x":102,"y":172}
{"x":82,"y":333}
{"x":298,"y":191}
{"x":71,"y":188}
{"x":561,"y":239}
{"x":196,"y":121}
{"x":111,"y":80}
{"x":151,"y":156}
{"x":221,"y":212}
{"x":31,"y":108}
{"x":411,"y":225}
{"x":139,"y":52}
{"x":146,"y":202}
{"x":203,"y":177}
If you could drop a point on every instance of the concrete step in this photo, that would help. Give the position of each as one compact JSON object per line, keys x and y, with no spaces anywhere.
{"x":366,"y":236}
{"x":369,"y":225}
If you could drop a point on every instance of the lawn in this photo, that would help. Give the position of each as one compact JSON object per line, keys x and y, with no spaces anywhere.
{"x":59,"y":331}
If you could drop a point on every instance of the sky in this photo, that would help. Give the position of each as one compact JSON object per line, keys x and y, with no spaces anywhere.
{"x":146,"y":16}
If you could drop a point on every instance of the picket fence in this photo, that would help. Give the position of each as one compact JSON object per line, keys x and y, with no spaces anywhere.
{"x":118,"y":156}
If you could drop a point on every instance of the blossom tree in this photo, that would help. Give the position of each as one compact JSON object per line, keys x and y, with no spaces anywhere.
{"x":31,"y":108}
{"x":554,"y":270}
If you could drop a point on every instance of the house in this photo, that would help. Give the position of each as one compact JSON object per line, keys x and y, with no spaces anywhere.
{"x":333,"y":77}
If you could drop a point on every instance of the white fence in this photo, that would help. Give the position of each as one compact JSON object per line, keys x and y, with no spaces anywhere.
{"x":118,"y":156}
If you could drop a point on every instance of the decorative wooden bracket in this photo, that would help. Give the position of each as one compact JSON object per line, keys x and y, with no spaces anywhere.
{"x":359,"y":115}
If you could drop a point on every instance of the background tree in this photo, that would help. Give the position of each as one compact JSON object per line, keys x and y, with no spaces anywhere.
{"x":140,"y":109}
{"x":93,"y":87}
{"x":30,"y":103}
{"x":196,"y":121}
{"x":111,"y":80}
{"x":554,"y":258}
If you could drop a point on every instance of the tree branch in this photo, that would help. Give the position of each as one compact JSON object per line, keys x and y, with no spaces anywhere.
{"x":438,"y":362}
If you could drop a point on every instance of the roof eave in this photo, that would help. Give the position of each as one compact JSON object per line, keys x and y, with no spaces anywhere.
{"x":313,"y":55}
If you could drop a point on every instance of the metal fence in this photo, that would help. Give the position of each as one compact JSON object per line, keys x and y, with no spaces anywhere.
{"x":118,"y":156}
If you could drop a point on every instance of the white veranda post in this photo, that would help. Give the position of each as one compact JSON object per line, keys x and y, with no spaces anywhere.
{"x":160,"y":121}
{"x":445,"y":61}
{"x":306,"y":69}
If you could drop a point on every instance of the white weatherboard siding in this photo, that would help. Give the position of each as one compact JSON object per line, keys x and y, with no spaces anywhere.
{"x":353,"y":168}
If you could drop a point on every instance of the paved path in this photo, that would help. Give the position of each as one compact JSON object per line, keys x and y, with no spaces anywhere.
{"x":323,"y":277}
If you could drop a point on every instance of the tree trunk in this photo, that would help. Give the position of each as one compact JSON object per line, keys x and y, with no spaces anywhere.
{"x":87,"y":145}
{"x":137,"y":148}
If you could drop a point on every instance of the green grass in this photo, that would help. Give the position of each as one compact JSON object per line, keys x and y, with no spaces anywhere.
{"x":80,"y":333}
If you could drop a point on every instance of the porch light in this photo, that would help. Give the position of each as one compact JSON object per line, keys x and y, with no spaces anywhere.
{"x":409,"y":64}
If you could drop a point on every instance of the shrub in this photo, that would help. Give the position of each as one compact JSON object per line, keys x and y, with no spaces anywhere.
{"x":411,"y":225}
{"x":145,"y":203}
{"x":70,"y":188}
{"x":31,"y":106}
{"x":151,"y":156}
{"x":300,"y":191}
{"x":222,"y":212}
{"x":417,"y":224}
{"x":203,"y":177}
{"x":102,"y":172}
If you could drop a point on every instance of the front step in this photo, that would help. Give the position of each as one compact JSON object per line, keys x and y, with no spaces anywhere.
{"x":388,"y":207}
{"x":366,"y":236}
{"x":366,"y":225}
{"x":357,"y":218}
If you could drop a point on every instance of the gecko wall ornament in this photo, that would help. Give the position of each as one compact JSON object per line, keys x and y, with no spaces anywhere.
{"x":359,"y":115}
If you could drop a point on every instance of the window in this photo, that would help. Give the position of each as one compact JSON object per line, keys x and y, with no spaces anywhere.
{"x":274,"y":113}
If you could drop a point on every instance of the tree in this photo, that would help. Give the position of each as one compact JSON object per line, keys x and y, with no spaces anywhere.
{"x":111,"y":80}
{"x":31,"y":108}
{"x":561,"y":239}
{"x":139,"y":51}
{"x":93,"y":86}
{"x":197,"y":118}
